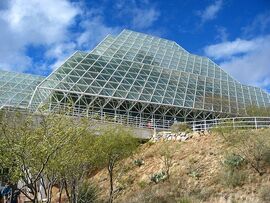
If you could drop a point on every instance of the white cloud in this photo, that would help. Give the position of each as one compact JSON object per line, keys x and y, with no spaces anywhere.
{"x":211,"y":11}
{"x":259,"y":24}
{"x":46,"y":24}
{"x":228,"y":49}
{"x":40,"y":21}
{"x":35,"y":23}
{"x":94,"y":31}
{"x":246,"y":60}
{"x":142,"y":14}
{"x":222,"y":33}
{"x":144,"y":18}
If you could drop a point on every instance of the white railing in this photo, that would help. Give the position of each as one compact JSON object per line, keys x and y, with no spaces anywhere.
{"x":132,"y":121}
{"x":152,"y":123}
{"x":235,"y":123}
{"x":199,"y":125}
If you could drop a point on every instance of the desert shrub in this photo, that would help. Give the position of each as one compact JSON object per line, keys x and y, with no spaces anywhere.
{"x":253,"y":146}
{"x":157,"y":177}
{"x":266,"y":156}
{"x":225,"y":127}
{"x":166,"y":191}
{"x":126,"y":181}
{"x":234,"y":161}
{"x":232,"y":174}
{"x":95,"y":116}
{"x":232,"y":178}
{"x":184,"y":200}
{"x":108,"y":118}
{"x":264,"y":193}
{"x":194,"y":170}
{"x":200,"y":194}
{"x":180,"y":127}
{"x":87,"y":193}
{"x":138,"y":162}
{"x":166,"y":152}
{"x":142,"y":184}
{"x":194,"y":174}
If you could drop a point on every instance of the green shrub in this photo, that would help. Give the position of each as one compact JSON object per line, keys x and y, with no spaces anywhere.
{"x":194,"y":170}
{"x":142,"y":184}
{"x":194,"y":174}
{"x":234,"y":161}
{"x":225,"y":127}
{"x":184,"y":200}
{"x":87,"y":193}
{"x":157,"y":177}
{"x":266,"y":156}
{"x":95,"y":116}
{"x":108,"y":118}
{"x":253,"y":146}
{"x":232,"y":178}
{"x":139,"y":162}
{"x":180,"y":127}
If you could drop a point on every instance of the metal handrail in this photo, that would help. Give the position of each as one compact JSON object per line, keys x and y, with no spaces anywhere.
{"x":152,"y":123}
{"x":235,"y":122}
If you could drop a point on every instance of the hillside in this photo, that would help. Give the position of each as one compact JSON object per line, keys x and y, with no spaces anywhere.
{"x":197,"y":174}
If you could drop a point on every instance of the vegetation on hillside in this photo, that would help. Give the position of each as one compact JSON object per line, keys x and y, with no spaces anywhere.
{"x":57,"y":150}
{"x":87,"y":163}
{"x":223,"y":166}
{"x":254,"y":110}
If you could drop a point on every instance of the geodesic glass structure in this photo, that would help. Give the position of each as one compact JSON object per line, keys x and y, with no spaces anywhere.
{"x":16,"y":89}
{"x":140,"y":77}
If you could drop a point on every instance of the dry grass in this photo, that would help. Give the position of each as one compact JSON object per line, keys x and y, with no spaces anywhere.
{"x":195,"y":175}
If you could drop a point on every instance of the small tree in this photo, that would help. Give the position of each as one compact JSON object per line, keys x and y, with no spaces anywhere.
{"x":44,"y":150}
{"x":254,"y":147}
{"x":166,"y":154}
{"x":114,"y":144}
{"x":26,"y":148}
{"x":73,"y":163}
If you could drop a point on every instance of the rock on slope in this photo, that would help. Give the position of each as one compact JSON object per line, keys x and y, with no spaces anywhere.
{"x":195,"y":174}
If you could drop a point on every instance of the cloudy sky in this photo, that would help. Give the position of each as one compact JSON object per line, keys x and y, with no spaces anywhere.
{"x":37,"y":35}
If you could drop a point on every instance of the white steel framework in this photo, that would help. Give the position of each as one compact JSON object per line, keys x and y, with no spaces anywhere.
{"x":139,"y":76}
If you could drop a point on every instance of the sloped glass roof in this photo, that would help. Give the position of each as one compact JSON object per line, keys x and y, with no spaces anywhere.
{"x":141,"y":68}
{"x":147,"y":49}
{"x":16,"y":89}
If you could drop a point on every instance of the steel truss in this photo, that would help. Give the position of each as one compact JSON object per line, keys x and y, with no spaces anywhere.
{"x":128,"y":111}
{"x":144,"y":78}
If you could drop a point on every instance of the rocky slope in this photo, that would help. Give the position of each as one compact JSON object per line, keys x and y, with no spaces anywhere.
{"x":196,"y":174}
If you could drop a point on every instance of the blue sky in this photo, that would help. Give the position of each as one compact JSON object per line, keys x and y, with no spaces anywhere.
{"x":38,"y":35}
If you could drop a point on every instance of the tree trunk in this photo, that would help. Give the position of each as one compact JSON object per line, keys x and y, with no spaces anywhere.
{"x":35,"y":200}
{"x":49,"y":193}
{"x":67,"y":192}
{"x":74,"y":191}
{"x":110,"y":170}
{"x":60,"y":192}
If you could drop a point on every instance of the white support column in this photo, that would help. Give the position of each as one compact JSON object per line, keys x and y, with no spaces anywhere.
{"x":256,"y":124}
